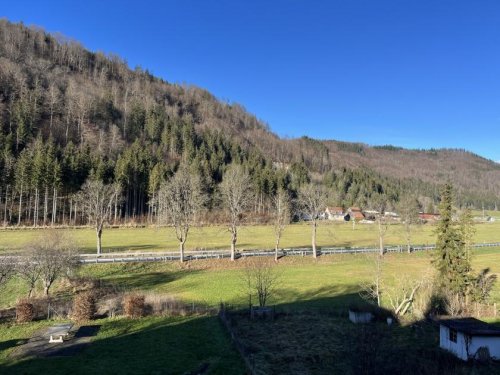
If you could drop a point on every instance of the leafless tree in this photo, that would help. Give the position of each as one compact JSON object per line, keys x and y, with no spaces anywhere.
{"x":236,"y":195}
{"x":313,"y":199}
{"x":180,"y":200}
{"x":96,"y":200}
{"x":379,"y":202}
{"x":382,"y":227}
{"x":372,"y":290}
{"x":402,"y":294}
{"x":55,"y":254}
{"x":260,"y":277}
{"x":408,"y":211}
{"x":29,"y":269}
{"x":281,"y":205}
{"x":7,"y":269}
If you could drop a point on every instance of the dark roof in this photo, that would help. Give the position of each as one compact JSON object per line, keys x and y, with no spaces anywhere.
{"x":472,"y":326}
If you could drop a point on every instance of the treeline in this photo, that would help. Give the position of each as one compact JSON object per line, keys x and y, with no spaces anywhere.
{"x":67,"y":114}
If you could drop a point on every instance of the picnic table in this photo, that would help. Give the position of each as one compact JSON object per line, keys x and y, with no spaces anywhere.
{"x":57,"y":332}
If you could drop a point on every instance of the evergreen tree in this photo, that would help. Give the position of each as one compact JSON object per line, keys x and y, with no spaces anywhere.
{"x":450,"y":258}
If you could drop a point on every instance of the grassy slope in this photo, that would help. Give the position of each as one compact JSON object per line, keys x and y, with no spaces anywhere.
{"x":250,"y":237}
{"x":173,"y":345}
{"x":210,"y":282}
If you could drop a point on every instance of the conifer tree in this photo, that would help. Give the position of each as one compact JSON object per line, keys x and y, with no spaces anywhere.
{"x":450,"y":258}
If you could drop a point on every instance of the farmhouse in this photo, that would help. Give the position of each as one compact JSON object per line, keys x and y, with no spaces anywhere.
{"x":428,"y":217}
{"x":335,"y":213}
{"x":467,"y":337}
{"x":354,"y":213}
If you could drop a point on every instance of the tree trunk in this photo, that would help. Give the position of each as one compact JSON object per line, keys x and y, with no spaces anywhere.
{"x":314,"y":226}
{"x":276,"y":250}
{"x":20,"y":214}
{"x":5,"y":207}
{"x":233,"y":245}
{"x":380,"y":238}
{"x":181,"y":250}
{"x":99,"y":246}
{"x":46,"y":205}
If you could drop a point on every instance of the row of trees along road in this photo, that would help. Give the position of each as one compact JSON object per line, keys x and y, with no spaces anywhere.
{"x":180,"y":200}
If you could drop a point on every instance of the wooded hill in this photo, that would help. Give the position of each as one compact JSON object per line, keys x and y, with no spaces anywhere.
{"x":67,"y":113}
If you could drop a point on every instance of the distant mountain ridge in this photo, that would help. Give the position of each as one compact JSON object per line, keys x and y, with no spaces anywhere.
{"x":85,"y":112}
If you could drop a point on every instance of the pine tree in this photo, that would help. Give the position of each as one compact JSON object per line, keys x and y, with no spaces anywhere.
{"x":450,"y":258}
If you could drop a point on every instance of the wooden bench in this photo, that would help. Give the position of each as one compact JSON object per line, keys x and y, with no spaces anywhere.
{"x":58,"y":332}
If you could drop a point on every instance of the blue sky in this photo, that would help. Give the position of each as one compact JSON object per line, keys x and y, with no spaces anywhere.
{"x":416,"y":74}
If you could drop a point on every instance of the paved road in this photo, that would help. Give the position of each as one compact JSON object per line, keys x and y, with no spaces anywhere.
{"x":220,"y":254}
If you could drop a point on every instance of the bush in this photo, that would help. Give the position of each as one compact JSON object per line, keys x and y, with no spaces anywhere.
{"x":83,"y":307}
{"x":134,"y":306}
{"x":25,"y":311}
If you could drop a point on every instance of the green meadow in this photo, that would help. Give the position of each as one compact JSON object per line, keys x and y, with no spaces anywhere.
{"x":250,"y":237}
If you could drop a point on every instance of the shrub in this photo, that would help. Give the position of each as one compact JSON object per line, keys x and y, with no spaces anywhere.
{"x":83,"y":306}
{"x":25,"y":311}
{"x":134,"y":306}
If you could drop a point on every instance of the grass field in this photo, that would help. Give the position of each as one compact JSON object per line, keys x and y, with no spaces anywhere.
{"x":156,"y":345}
{"x":209,"y":282}
{"x":179,"y":345}
{"x":250,"y":237}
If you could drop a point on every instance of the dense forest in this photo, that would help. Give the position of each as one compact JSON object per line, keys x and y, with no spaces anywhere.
{"x":67,"y":114}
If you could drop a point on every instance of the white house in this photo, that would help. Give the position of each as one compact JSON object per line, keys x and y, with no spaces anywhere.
{"x":465,"y":336}
{"x":335,"y":213}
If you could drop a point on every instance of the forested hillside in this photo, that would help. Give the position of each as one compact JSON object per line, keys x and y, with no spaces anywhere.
{"x":67,"y":114}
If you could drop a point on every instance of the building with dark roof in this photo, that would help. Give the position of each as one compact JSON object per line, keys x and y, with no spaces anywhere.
{"x":465,"y":337}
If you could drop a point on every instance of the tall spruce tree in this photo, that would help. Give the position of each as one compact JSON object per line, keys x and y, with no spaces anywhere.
{"x":450,"y":259}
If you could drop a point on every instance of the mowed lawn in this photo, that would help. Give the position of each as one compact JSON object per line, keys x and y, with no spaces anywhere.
{"x":250,"y":237}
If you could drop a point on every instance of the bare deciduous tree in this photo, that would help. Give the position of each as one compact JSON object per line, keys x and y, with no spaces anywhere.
{"x":313,"y":199}
{"x":382,"y":227}
{"x":179,"y":202}
{"x":29,"y":269}
{"x":236,"y":195}
{"x":96,"y":200}
{"x":260,"y":278}
{"x":281,"y":205}
{"x":55,"y":254}
{"x":372,"y":290}
{"x":7,"y":269}
{"x":402,"y":294}
{"x":408,"y":211}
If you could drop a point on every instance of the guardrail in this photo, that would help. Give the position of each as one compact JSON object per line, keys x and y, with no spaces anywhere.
{"x":220,"y":254}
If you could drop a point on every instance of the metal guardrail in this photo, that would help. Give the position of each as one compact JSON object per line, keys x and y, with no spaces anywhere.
{"x":122,"y":257}
{"x":220,"y":254}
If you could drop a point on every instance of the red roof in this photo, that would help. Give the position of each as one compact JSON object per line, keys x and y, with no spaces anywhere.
{"x":425,"y":216}
{"x":357,"y":215}
{"x":335,"y":210}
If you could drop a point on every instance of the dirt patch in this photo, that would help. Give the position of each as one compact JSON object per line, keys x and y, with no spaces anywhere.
{"x":38,"y":345}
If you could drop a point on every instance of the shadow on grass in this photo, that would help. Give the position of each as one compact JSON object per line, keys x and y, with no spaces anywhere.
{"x":317,"y":337}
{"x":4,"y":345}
{"x":159,"y":345}
{"x":311,"y":334}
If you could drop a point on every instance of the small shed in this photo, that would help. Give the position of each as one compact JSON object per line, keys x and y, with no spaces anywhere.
{"x":464,"y":337}
{"x":357,"y":316}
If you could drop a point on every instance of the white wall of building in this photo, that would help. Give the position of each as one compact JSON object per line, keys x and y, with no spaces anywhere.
{"x":458,"y":348}
{"x":475,"y":342}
